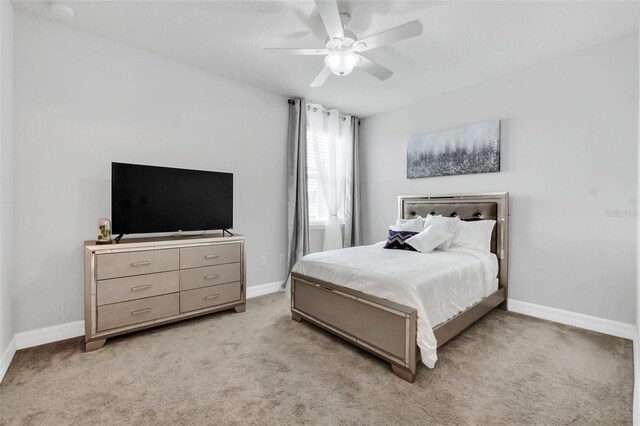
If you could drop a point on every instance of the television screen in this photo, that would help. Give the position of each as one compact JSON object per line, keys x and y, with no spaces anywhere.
{"x":148,"y":199}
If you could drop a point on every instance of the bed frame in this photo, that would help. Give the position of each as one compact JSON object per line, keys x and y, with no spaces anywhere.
{"x":387,"y":329}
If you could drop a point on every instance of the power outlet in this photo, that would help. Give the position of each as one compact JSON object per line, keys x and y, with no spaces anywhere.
{"x":263,"y":261}
{"x":282,"y":258}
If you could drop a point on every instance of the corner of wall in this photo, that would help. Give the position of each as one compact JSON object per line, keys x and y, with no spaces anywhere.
{"x":6,"y":357}
{"x":7,"y":342}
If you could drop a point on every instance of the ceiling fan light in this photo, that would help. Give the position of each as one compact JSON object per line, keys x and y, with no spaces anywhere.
{"x":341,"y":63}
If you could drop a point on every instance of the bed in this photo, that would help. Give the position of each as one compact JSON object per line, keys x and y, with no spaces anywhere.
{"x":385,"y":302}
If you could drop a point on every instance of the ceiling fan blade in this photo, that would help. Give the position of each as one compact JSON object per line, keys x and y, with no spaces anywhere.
{"x":402,"y":32}
{"x":321,"y":77}
{"x":331,"y":18}
{"x":287,"y":51}
{"x":374,"y":69}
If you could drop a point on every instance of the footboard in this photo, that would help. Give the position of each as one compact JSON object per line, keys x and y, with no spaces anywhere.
{"x":379,"y":326}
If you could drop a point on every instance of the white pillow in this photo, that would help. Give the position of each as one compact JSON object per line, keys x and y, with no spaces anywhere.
{"x":448,"y":224}
{"x":427,"y":240}
{"x":400,"y":220}
{"x":475,"y":235}
{"x":412,"y":225}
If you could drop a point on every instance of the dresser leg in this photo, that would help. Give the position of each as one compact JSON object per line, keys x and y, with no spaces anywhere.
{"x":94,"y":345}
{"x":241,"y":308}
{"x":296,"y":316}
{"x":403,"y":373}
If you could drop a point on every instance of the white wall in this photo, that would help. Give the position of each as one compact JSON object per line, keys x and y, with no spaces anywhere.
{"x":82,"y":101}
{"x":6,"y":188}
{"x":569,"y":154}
{"x":636,"y":357}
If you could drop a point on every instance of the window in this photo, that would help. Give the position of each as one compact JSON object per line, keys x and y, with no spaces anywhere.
{"x":317,"y":147}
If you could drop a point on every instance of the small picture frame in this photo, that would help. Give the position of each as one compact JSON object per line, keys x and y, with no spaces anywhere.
{"x":104,"y":231}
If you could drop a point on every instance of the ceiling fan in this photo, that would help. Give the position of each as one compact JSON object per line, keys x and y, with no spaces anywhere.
{"x":343,"y":51}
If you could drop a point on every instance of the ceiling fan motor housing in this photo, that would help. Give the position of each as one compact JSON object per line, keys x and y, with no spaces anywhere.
{"x":345,"y":43}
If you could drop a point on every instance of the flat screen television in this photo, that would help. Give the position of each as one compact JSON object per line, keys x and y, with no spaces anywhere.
{"x":150,"y":199}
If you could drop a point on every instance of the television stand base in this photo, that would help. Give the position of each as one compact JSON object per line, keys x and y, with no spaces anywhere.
{"x":183,"y":235}
{"x":118,"y":238}
{"x":227,"y":231}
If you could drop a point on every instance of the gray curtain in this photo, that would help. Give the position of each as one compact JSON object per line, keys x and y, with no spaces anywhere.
{"x":298,"y":204}
{"x":352,"y":231}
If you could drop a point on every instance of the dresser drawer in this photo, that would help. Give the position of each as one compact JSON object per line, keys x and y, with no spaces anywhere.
{"x":136,"y":287}
{"x":114,"y":265}
{"x":207,"y":297}
{"x":135,"y":311}
{"x":194,"y":257}
{"x":209,"y":275}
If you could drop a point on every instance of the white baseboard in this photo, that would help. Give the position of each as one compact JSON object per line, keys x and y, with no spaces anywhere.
{"x":41,"y":336}
{"x":262,"y":289}
{"x":7,"y":356}
{"x":588,"y":322}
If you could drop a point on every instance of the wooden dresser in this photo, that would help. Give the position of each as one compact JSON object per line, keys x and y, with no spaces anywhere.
{"x":144,"y":282}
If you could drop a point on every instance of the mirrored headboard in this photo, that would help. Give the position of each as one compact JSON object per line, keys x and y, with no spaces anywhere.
{"x":486,"y":206}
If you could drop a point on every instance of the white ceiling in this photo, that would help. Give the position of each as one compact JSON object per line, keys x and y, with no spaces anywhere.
{"x":463,"y":42}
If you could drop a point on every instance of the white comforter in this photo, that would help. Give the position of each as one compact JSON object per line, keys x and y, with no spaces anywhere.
{"x":438,"y":284}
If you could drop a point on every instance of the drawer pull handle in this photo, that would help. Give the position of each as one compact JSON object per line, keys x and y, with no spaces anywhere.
{"x":213,"y":296}
{"x":141,"y":311}
{"x":210,"y":277}
{"x":212,"y":256}
{"x":141,"y":287}
{"x":144,"y":263}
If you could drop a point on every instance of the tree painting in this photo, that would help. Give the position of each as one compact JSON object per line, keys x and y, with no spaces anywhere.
{"x":462,"y":151}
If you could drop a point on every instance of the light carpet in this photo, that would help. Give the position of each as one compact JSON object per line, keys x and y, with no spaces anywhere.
{"x":260,"y":367}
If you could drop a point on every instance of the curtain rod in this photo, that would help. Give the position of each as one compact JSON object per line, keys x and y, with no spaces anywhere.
{"x":292,"y":101}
